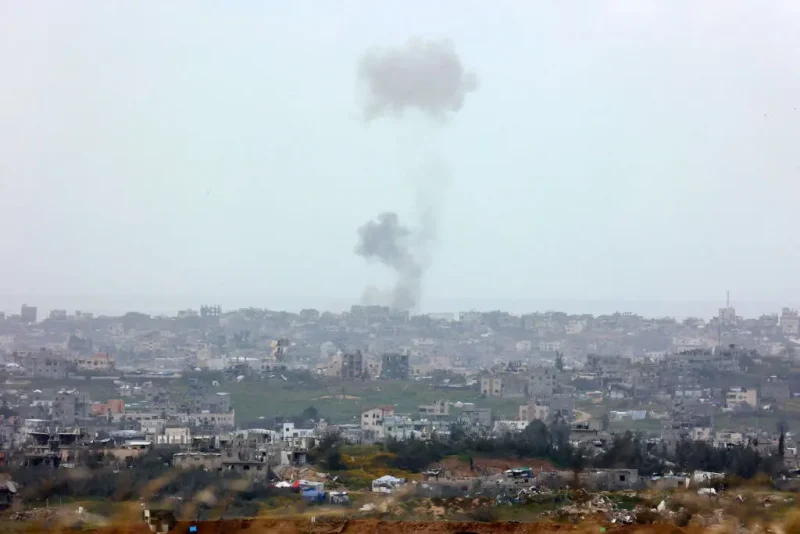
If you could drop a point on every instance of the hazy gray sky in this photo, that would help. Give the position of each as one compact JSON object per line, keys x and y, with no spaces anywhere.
{"x":633,"y":150}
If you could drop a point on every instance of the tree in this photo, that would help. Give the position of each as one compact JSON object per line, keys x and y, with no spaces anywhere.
{"x":459,"y":430}
{"x":606,"y":421}
{"x":782,"y":439}
{"x":536,"y":439}
{"x":310,"y":413}
{"x":327,"y":453}
{"x":559,"y":361}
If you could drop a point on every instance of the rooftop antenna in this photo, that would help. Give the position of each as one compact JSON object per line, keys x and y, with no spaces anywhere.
{"x":728,"y":298}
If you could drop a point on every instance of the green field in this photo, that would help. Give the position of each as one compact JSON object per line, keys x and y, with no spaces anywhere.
{"x":99,"y":390}
{"x":336,"y":400}
{"x":342,"y":402}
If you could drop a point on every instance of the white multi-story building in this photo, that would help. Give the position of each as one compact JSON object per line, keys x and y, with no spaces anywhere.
{"x":298,"y":438}
{"x":372,"y":420}
{"x":175,"y":436}
{"x":727,"y":316}
{"x":790,"y":322}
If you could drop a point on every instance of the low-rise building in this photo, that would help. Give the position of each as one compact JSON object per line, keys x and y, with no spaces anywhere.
{"x":220,"y":421}
{"x":533,"y":411}
{"x":175,"y":436}
{"x":398,"y":427}
{"x":440,"y":408}
{"x":741,"y":398}
{"x":44,"y":363}
{"x":210,"y":461}
{"x":100,"y":361}
{"x":726,"y":438}
{"x":476,"y":417}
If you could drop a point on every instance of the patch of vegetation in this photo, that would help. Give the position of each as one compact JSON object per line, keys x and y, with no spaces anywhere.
{"x":626,"y":501}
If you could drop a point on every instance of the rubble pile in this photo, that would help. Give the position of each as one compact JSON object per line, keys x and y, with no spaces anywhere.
{"x":530,"y":495}
{"x":598,"y":505}
{"x":286,"y":472}
{"x":771,"y":500}
{"x":34,"y":514}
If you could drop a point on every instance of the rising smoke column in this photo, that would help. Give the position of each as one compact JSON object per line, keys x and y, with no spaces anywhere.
{"x":388,"y":241}
{"x":426,"y":76}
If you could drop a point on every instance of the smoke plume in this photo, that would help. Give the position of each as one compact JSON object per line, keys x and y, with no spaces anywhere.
{"x":386,"y":240}
{"x":425,"y":75}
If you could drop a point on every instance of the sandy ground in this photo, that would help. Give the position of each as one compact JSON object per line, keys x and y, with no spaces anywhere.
{"x":373,"y":526}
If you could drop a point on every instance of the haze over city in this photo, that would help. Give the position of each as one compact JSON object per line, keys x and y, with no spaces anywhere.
{"x":612,"y":156}
{"x":437,"y":267}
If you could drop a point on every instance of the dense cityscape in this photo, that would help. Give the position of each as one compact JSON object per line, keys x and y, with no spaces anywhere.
{"x":572,"y":184}
{"x":258,"y":392}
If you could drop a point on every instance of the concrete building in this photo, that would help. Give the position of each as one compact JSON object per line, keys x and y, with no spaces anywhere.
{"x":398,"y":427}
{"x":71,"y":406}
{"x":726,"y":438}
{"x":790,"y":322}
{"x":100,"y":361}
{"x":491,"y":386}
{"x":449,"y":317}
{"x":533,"y":411}
{"x":302,"y":439}
{"x":575,"y":327}
{"x":351,"y":365}
{"x":44,"y":363}
{"x":372,"y":421}
{"x":218,"y":421}
{"x":395,"y":366}
{"x":542,"y":382}
{"x":28,"y":314}
{"x":210,"y":311}
{"x":741,"y":398}
{"x":278,"y":358}
{"x":440,"y":408}
{"x":106,"y":409}
{"x":727,"y":316}
{"x":774,"y":389}
{"x":515,"y":386}
{"x":211,"y":461}
{"x":476,"y":417}
{"x":561,"y":405}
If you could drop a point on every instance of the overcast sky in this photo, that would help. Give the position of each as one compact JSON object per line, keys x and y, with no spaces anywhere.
{"x":186,"y":151}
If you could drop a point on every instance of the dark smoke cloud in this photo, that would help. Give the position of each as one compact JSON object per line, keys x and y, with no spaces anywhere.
{"x":424,"y":75}
{"x":388,"y":241}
